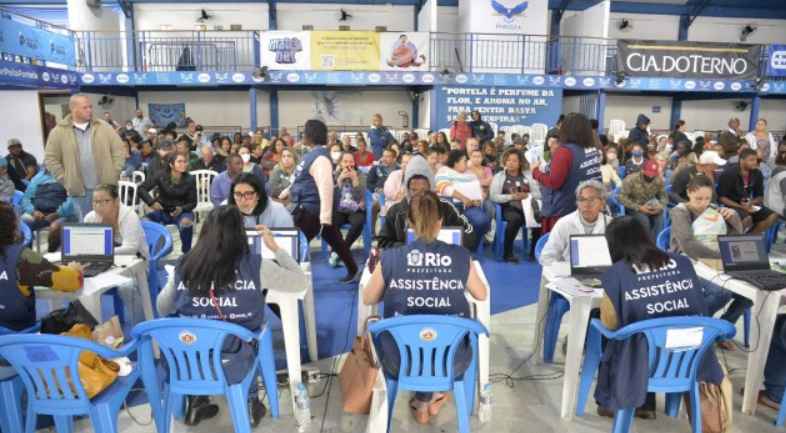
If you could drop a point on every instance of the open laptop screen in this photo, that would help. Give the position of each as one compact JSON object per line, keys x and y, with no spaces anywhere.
{"x":589,"y":254}
{"x":87,"y":241}
{"x":743,"y":253}
{"x":449,"y":235}
{"x":287,"y":239}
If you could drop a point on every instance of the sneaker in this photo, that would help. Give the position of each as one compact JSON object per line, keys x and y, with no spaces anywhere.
{"x":199,"y":407}
{"x":351,"y":279}
{"x":511,"y":259}
{"x":256,"y":411}
{"x":333,"y":260}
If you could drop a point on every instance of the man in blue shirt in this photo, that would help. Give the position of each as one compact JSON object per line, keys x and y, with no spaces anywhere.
{"x":219,"y":190}
{"x":379,"y":136}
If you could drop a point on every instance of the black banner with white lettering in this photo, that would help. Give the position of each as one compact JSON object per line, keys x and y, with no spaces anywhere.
{"x":688,"y":59}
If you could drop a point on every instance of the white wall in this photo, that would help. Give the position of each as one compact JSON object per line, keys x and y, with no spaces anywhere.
{"x":652,"y":27}
{"x":295,"y":107}
{"x":209,"y":108}
{"x":774,"y":110}
{"x":593,"y":24}
{"x":728,"y":30}
{"x":21,"y":120}
{"x":447,"y":19}
{"x":713,"y":115}
{"x":628,"y":108}
{"x":570,"y":104}
{"x":424,"y":111}
{"x":364,"y":17}
{"x":183,"y":16}
{"x":122,"y":108}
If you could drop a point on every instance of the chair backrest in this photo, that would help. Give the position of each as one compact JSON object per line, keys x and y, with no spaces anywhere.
{"x":622,"y":172}
{"x":138,"y":177}
{"x":671,"y":365}
{"x":203,"y":179}
{"x":494,"y":127}
{"x":48,"y":366}
{"x":615,"y":202}
{"x":128,"y":192}
{"x":616,"y":126}
{"x":192,"y":348}
{"x":427,"y":345}
{"x":17,"y":199}
{"x":305,"y":248}
{"x":159,"y":240}
{"x":26,"y":234}
{"x":539,"y":131}
{"x":540,"y":245}
{"x":664,"y":239}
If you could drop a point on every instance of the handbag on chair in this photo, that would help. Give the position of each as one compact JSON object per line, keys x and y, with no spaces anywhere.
{"x":358,"y":374}
{"x":715,"y":403}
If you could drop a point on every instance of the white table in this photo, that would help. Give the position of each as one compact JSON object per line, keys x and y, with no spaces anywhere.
{"x":578,"y":316}
{"x":763,"y":314}
{"x":90,"y":294}
{"x":481,"y":310}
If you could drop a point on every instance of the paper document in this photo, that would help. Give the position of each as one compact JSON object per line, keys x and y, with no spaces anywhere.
{"x":471,"y":190}
{"x":686,"y":338}
{"x":573,"y":287}
{"x":104,"y":281}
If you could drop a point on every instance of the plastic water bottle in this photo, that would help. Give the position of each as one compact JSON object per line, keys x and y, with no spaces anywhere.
{"x":486,"y":400}
{"x":303,"y":411}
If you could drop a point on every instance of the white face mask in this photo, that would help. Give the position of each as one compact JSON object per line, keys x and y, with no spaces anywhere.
{"x":335,"y":156}
{"x":129,"y":127}
{"x":611,"y":157}
{"x":245,"y":157}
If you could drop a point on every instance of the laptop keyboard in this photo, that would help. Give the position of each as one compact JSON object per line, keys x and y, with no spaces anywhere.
{"x":767,"y":282}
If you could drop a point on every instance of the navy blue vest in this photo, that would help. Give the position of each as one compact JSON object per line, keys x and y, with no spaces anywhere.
{"x":640,"y":294}
{"x":586,"y":166}
{"x":304,"y":188}
{"x":245,"y":305}
{"x":426,"y":279}
{"x":18,"y":310}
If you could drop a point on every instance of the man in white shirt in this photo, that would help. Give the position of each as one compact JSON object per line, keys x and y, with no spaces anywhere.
{"x":141,"y":124}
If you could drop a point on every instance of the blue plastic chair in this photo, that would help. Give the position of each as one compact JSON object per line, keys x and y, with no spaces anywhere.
{"x":195,"y":366}
{"x":11,"y":390}
{"x":49,"y":362}
{"x":620,"y":209}
{"x":781,"y":414}
{"x":381,"y":205}
{"x":540,"y":245}
{"x":672,"y":371}
{"x":27,"y":235}
{"x":558,"y":306}
{"x":305,"y":248}
{"x":25,"y":182}
{"x":499,"y":233}
{"x":664,"y":239}
{"x":427,"y":345}
{"x":772,"y":235}
{"x":667,"y":209}
{"x":622,"y":172}
{"x":16,"y":200}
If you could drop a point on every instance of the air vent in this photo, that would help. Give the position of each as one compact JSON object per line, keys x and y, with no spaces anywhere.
{"x":344,"y":28}
{"x":236,"y":27}
{"x":380,"y":29}
{"x":308,"y":27}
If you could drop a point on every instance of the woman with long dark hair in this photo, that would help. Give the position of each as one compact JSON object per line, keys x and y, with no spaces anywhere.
{"x":211,"y":274}
{"x":249,"y":195}
{"x":273,"y":156}
{"x":634,"y":291}
{"x":576,"y":160}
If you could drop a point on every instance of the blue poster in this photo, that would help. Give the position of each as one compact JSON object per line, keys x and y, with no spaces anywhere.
{"x":23,"y":40}
{"x":506,"y":106}
{"x":22,"y":75}
{"x":776,"y":63}
{"x":164,"y":114}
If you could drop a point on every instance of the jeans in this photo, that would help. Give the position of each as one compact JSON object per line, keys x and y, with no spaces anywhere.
{"x":774,"y":373}
{"x":186,"y":231}
{"x":83,"y":205}
{"x":717,"y":297}
{"x":480,"y":222}
{"x":653,"y":224}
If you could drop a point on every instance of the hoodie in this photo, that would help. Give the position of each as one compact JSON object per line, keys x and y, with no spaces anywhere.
{"x":636,"y":135}
{"x":481,"y":129}
{"x":393,"y":231}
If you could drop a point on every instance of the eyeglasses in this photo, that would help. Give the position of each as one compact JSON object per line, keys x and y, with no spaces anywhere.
{"x":589,"y":200}
{"x":248,"y":195}
{"x":101,"y":202}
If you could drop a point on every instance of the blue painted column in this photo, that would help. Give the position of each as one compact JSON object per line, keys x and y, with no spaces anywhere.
{"x":274,"y":112}
{"x":252,"y":100}
{"x":131,"y":42}
{"x":676,"y":110}
{"x":432,"y":111}
{"x":553,"y":45}
{"x":755,"y":104}
{"x":272,"y":16}
{"x":682,"y":35}
{"x":415,"y":115}
{"x":601,"y":111}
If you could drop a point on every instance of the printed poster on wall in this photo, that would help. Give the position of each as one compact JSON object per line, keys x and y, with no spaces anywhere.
{"x":344,"y":51}
{"x":776,"y":64}
{"x":163,"y":114}
{"x":23,"y":40}
{"x":404,"y":51}
{"x":504,"y":16}
{"x":506,"y":106}
{"x":286,"y":50}
{"x":337,"y":108}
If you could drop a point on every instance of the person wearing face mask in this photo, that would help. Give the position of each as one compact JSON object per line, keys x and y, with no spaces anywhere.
{"x":248,"y":194}
{"x":776,"y":188}
{"x":335,"y":154}
{"x":644,"y":195}
{"x":741,"y":187}
{"x":637,"y":160}
{"x":248,"y":166}
{"x":608,"y":172}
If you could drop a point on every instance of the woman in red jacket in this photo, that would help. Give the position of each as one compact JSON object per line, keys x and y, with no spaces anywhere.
{"x":460,"y":129}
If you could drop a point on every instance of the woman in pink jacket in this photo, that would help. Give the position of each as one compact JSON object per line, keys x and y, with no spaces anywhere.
{"x":460,"y":129}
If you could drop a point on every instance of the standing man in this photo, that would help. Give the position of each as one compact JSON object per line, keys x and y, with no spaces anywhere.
{"x":741,"y":187}
{"x":639,"y":134}
{"x":142,"y":124}
{"x":734,"y":127}
{"x":480,"y":128}
{"x":22,"y":163}
{"x":379,"y":136}
{"x":82,"y":152}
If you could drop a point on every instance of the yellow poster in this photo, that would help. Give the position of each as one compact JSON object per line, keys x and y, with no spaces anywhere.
{"x":344,"y":51}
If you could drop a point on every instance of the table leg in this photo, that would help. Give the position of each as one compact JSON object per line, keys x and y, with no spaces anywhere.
{"x":311,"y":324}
{"x":764,"y":312}
{"x":364,"y":311}
{"x":483,"y":314}
{"x":139,"y":270}
{"x":291,"y":326}
{"x":580,"y":308}
{"x":540,"y":322}
{"x":92,"y":304}
{"x":378,"y":415}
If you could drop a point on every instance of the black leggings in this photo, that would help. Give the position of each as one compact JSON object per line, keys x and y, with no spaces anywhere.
{"x":309,"y":224}
{"x":515,"y":219}
{"x":357,"y":220}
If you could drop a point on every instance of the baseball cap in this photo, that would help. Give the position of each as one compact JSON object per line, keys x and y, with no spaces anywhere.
{"x":14,"y":142}
{"x":711,"y":157}
{"x":651,"y":168}
{"x":3,"y":162}
{"x":152,"y":131}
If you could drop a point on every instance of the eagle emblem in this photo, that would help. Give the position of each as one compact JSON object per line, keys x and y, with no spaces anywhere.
{"x":509,"y":13}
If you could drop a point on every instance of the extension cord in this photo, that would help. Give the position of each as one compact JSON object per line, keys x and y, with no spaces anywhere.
{"x":306,"y":376}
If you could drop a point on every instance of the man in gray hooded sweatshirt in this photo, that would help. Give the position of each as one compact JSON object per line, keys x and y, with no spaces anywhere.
{"x":419,"y":177}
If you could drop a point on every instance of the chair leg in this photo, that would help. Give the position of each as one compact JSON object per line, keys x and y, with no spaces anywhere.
{"x":392,"y":386}
{"x":461,"y":406}
{"x":64,"y":423}
{"x":591,"y":362}
{"x":30,"y":419}
{"x":781,"y":415}
{"x":237,"y":398}
{"x":623,"y":420}
{"x":267,"y":369}
{"x":695,"y":409}
{"x":120,"y":310}
{"x":104,"y":419}
{"x":558,"y":306}
{"x":673,"y":404}
{"x":10,"y":408}
{"x":746,"y":324}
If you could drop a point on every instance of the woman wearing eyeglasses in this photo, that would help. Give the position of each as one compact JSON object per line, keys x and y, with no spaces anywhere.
{"x":127,"y":228}
{"x":248,"y":194}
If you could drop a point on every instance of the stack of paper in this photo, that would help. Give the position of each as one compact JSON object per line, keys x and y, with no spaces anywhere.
{"x":572,"y":286}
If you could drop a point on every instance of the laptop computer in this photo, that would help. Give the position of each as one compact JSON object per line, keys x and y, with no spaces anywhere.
{"x":287,"y":238}
{"x":89,"y":244}
{"x":589,"y":258}
{"x":745,"y":257}
{"x":449,"y":235}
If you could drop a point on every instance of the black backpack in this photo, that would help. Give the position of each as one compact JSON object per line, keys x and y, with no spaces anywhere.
{"x":49,"y":197}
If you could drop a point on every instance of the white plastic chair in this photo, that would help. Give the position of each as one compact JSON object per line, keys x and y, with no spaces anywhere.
{"x":697,"y":134}
{"x":422,"y":134}
{"x":538,"y":134}
{"x":494,"y":127}
{"x":128,"y":194}
{"x":616,"y":127}
{"x":138,"y":177}
{"x":203,"y":179}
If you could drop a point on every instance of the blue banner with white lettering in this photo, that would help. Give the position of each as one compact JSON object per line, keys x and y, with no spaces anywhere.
{"x":21,"y":75}
{"x":26,"y":41}
{"x":776,"y":63}
{"x":505,"y":106}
